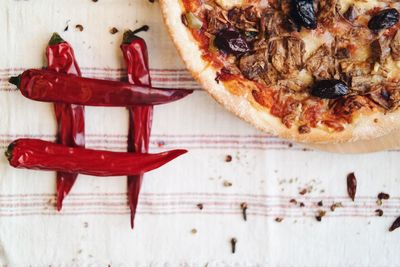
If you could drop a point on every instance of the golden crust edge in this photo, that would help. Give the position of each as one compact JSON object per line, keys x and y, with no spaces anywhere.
{"x":364,"y":128}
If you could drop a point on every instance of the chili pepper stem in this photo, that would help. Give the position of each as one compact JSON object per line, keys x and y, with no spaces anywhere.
{"x":9,"y":151}
{"x":56,"y":39}
{"x":16,"y":80}
{"x":129,"y":35}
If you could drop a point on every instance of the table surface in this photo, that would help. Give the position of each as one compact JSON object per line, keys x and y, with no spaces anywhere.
{"x":265,"y":172}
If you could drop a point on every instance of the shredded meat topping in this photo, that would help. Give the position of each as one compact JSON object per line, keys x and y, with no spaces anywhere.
{"x":321,"y":63}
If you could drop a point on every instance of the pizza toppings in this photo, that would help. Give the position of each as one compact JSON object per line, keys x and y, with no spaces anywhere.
{"x":231,"y":42}
{"x":303,"y":13}
{"x":351,"y":13}
{"x":321,"y":63}
{"x":380,"y":49}
{"x":329,"y":89}
{"x":384,"y":19}
{"x":313,"y":63}
{"x":381,"y":97}
{"x":395,"y":46}
{"x":192,"y":21}
{"x":328,"y":11}
{"x":253,"y":65}
{"x":287,"y":55}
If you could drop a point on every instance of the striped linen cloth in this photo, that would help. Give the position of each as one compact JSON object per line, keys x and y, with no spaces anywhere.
{"x":171,"y":230}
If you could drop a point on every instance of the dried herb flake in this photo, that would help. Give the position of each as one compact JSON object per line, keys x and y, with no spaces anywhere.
{"x":383,"y":195}
{"x":351,"y":185}
{"x":379,"y":212}
{"x":395,"y":225}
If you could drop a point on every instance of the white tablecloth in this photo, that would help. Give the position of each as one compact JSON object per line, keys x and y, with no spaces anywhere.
{"x":265,"y":172}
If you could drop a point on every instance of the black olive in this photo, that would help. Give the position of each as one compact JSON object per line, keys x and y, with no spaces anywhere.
{"x":384,"y":19}
{"x":385,"y":94}
{"x":329,"y":89}
{"x":303,"y":14}
{"x":231,"y":41}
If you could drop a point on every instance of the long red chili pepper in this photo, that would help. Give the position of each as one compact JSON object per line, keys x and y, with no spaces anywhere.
{"x":49,"y":86}
{"x":70,"y":118}
{"x":135,"y":54}
{"x":42,"y":155}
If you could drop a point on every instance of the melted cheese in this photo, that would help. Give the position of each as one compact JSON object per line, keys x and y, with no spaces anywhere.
{"x":361,"y":5}
{"x":394,"y":68}
{"x":367,"y":5}
{"x":305,"y":77}
{"x":312,"y":41}
{"x":230,"y":3}
{"x":362,"y":53}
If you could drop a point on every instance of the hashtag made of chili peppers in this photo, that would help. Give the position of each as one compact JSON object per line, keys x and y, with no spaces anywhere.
{"x":135,"y":54}
{"x":50,"y":86}
{"x":70,"y":118}
{"x":37,"y":154}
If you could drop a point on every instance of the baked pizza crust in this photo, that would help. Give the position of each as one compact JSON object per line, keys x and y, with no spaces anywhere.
{"x":364,"y":127}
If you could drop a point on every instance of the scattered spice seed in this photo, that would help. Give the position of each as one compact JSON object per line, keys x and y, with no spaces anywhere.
{"x":113,"y":30}
{"x":95,"y":1}
{"x":278,"y":219}
{"x":320,"y":214}
{"x":200,"y":206}
{"x":67,"y":25}
{"x":228,"y":158}
{"x":384,"y":196}
{"x":233,"y":244}
{"x":227,"y":184}
{"x":351,"y":185}
{"x":293,"y":201}
{"x":184,"y":20}
{"x":303,"y":129}
{"x":79,"y":27}
{"x":160,"y":143}
{"x":302,"y":205}
{"x":194,"y":231}
{"x":395,"y":225}
{"x":243,"y":206}
{"x":303,"y":192}
{"x":379,"y":212}
{"x":320,"y":203}
{"x":336,"y":205}
{"x":379,"y":202}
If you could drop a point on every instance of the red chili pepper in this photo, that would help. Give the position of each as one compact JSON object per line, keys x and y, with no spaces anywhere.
{"x":49,"y":86}
{"x":70,"y":118}
{"x":135,"y":54}
{"x":42,"y":155}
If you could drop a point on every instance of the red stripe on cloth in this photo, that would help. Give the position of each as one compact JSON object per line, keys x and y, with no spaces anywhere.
{"x":200,"y":194}
{"x":157,"y":135}
{"x":115,"y":71}
{"x":311,"y":207}
{"x":160,"y":213}
{"x":108,"y":69}
{"x":187,"y":141}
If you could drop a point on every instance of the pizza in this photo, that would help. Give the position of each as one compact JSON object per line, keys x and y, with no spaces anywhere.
{"x":312,"y":71}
